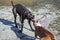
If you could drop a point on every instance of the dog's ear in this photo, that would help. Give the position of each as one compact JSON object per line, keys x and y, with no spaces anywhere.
{"x":36,"y":21}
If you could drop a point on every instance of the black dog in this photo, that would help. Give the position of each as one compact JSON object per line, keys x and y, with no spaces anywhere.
{"x":24,"y":13}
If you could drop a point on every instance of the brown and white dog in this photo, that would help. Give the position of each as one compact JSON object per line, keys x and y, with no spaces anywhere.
{"x":42,"y":32}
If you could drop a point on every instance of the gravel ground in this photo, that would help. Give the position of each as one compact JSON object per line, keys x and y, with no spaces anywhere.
{"x":9,"y":32}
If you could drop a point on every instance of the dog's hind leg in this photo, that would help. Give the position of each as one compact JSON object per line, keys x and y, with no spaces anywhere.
{"x":15,"y":21}
{"x":15,"y":15}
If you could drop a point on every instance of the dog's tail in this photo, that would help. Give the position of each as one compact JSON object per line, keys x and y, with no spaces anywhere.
{"x":12,"y":3}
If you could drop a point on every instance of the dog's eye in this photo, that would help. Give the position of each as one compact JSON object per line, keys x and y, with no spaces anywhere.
{"x":29,"y":12}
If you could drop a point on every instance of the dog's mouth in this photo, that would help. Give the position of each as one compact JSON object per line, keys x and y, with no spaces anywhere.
{"x":33,"y":20}
{"x":31,"y":17}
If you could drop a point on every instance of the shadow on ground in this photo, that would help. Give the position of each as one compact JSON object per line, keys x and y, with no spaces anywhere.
{"x":22,"y":36}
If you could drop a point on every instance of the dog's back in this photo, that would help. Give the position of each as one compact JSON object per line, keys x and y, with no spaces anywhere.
{"x":20,"y":9}
{"x":50,"y":34}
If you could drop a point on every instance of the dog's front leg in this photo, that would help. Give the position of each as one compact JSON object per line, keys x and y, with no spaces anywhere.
{"x":21,"y":27}
{"x":30,"y":25}
{"x":35,"y":34}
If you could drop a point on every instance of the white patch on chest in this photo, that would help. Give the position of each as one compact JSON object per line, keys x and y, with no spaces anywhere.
{"x":38,"y":24}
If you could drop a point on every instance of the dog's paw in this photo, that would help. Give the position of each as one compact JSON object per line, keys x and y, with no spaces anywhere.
{"x":16,"y":26}
{"x":33,"y":30}
{"x":20,"y":31}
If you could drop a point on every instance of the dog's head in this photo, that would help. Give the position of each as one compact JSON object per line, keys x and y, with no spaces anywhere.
{"x":36,"y":23}
{"x":30,"y":16}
